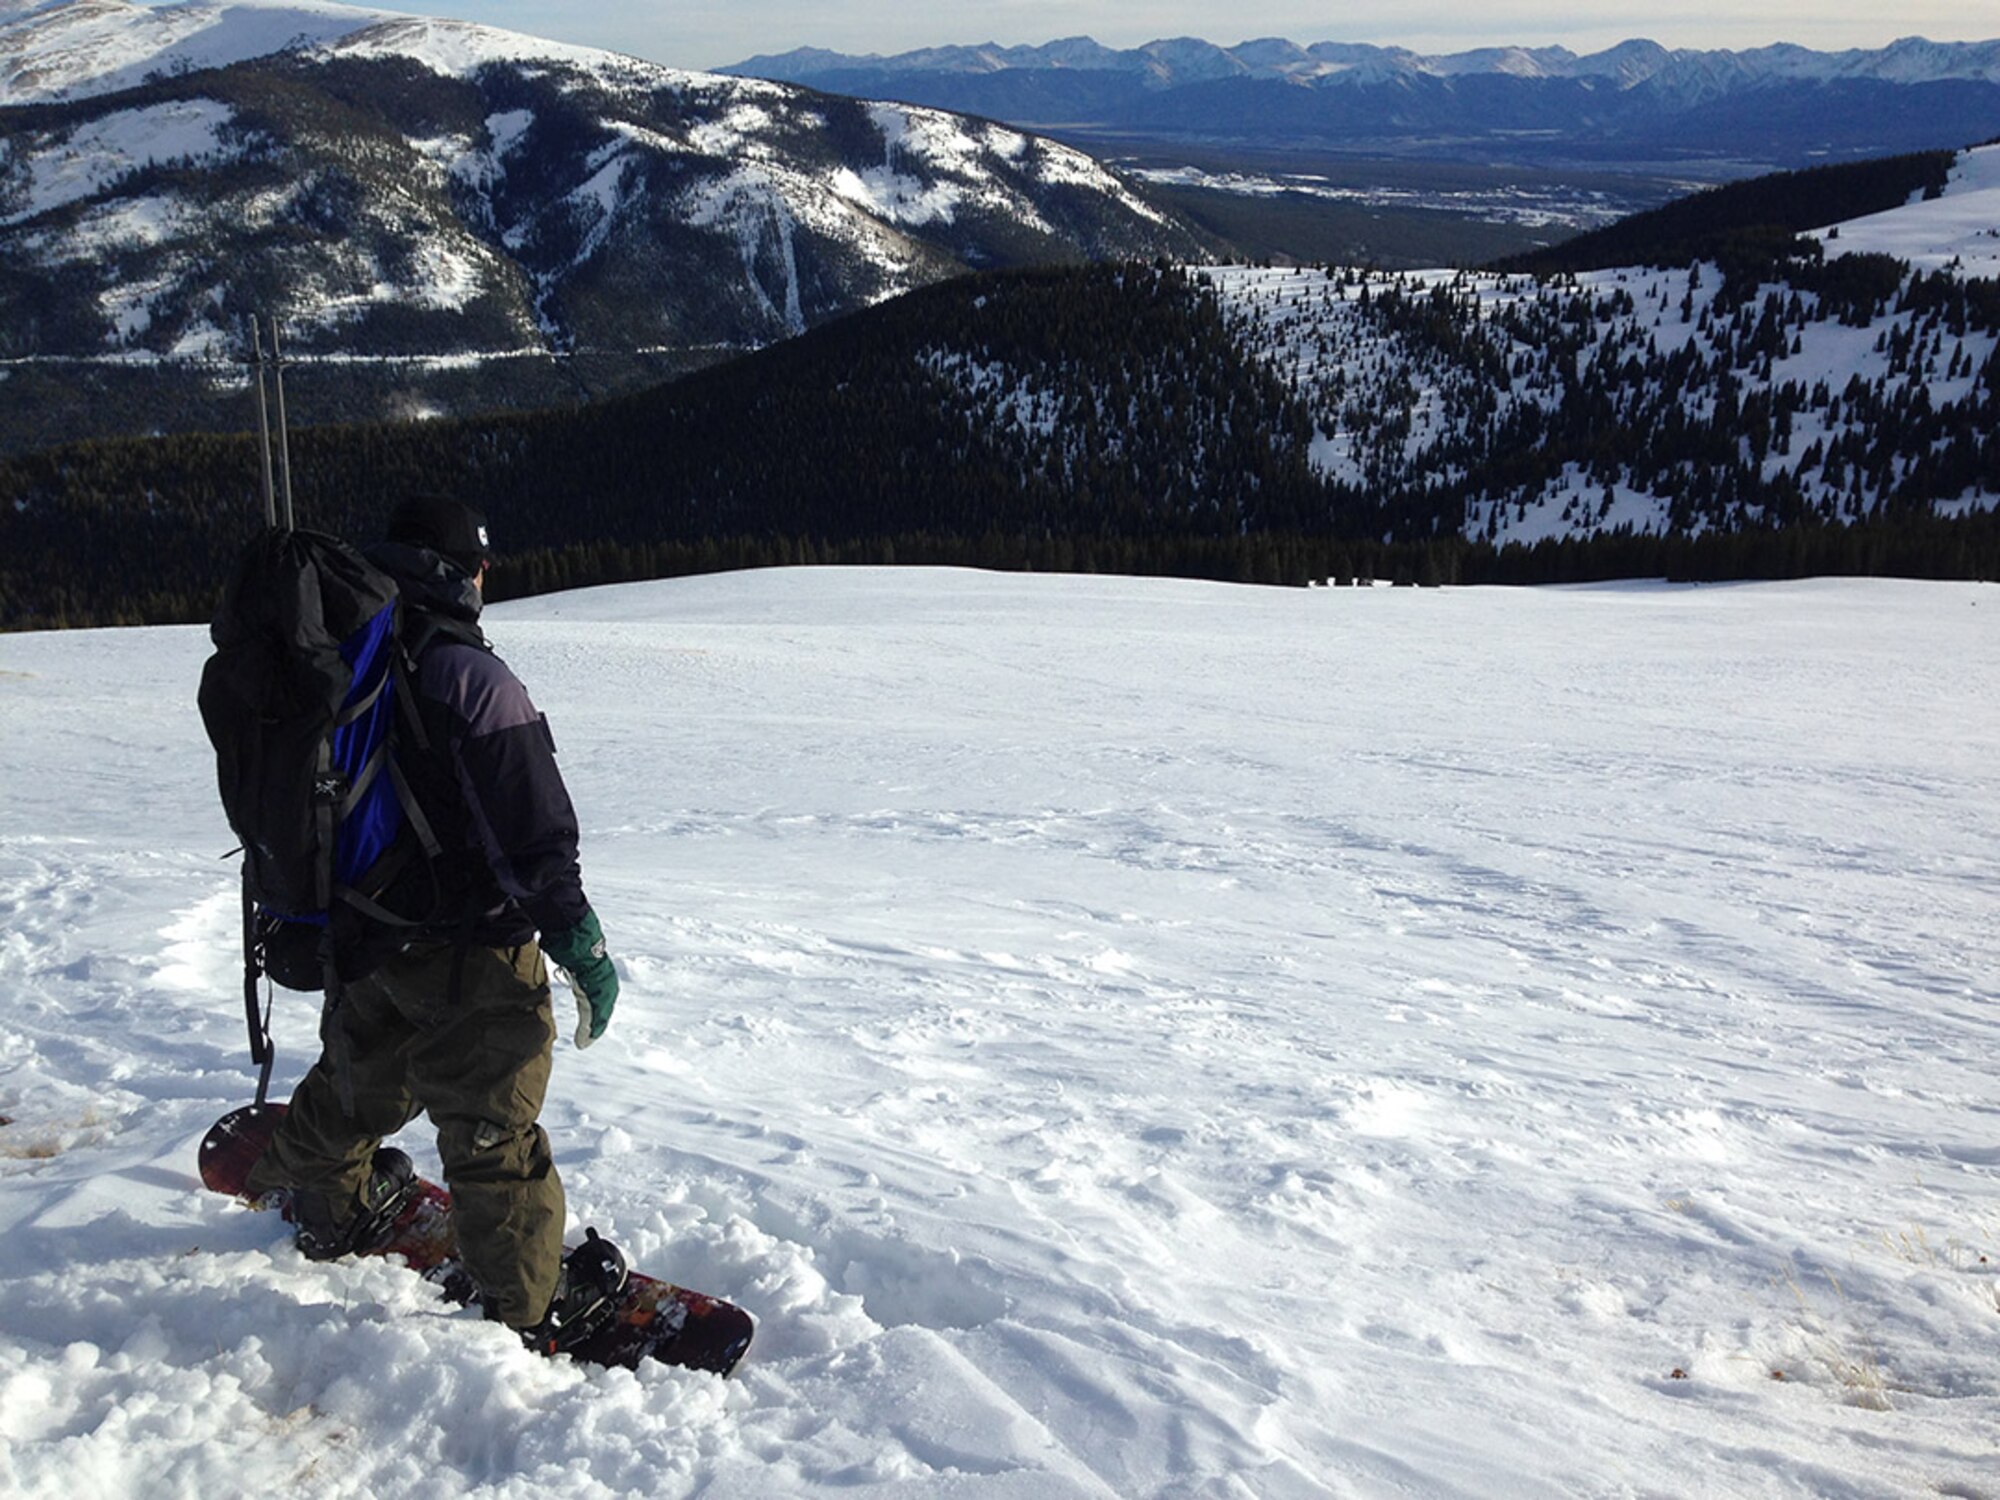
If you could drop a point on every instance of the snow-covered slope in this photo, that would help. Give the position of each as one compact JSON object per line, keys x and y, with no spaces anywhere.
{"x":411,"y":188}
{"x":54,"y":49}
{"x":1958,"y":231}
{"x":1123,"y":1039}
{"x":68,"y":49}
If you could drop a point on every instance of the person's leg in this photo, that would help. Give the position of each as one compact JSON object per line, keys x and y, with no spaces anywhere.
{"x":482,"y":1072}
{"x":321,"y":1152}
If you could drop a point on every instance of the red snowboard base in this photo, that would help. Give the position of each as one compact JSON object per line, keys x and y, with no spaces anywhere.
{"x":655,"y":1319}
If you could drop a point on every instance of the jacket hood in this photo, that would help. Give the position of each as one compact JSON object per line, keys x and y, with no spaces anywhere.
{"x":429,"y":580}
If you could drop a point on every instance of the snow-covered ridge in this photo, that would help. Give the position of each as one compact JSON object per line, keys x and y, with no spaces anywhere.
{"x":77,"y":48}
{"x":73,"y":48}
{"x":457,"y":48}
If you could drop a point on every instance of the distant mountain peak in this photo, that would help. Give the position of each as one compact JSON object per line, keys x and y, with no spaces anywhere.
{"x":1721,"y":112}
{"x":1907,"y":59}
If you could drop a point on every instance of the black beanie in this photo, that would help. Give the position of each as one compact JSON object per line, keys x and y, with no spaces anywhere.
{"x":444,"y":525}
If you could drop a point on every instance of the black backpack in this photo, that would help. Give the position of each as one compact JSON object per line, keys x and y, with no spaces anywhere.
{"x":307,"y":701}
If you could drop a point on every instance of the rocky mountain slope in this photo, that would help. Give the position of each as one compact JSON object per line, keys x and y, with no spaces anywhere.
{"x":444,"y":215}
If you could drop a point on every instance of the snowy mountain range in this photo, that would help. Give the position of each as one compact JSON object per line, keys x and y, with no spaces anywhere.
{"x":1187,"y":60}
{"x":405,"y":188}
{"x":1635,"y":102}
{"x":429,"y":202}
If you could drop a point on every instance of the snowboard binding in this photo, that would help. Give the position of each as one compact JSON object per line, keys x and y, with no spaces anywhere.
{"x":593,"y":1278}
{"x":392,"y":1183}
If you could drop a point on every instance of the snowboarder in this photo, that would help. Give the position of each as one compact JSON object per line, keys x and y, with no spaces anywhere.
{"x":458,"y":1020}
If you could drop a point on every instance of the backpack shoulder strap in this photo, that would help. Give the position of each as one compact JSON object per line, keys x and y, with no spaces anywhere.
{"x":423,"y":629}
{"x":416,"y":630}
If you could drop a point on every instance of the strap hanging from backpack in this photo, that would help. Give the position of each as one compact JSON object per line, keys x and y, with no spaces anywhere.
{"x":262,"y":1053}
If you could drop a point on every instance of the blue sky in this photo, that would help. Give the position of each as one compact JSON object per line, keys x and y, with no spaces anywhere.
{"x":710,"y":33}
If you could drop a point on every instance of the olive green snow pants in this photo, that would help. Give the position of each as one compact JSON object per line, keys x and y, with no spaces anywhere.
{"x":479,"y":1066}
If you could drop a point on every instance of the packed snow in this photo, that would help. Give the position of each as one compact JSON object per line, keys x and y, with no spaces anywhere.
{"x":1121,"y":1038}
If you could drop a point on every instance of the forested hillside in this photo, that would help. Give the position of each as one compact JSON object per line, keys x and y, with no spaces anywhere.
{"x":1089,"y":407}
{"x":1799,"y":390}
{"x":1279,"y":426}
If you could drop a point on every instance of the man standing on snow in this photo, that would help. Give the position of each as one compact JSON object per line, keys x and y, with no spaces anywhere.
{"x":459,"y":1022}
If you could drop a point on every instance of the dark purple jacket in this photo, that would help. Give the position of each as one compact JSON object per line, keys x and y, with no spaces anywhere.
{"x":489,"y":785}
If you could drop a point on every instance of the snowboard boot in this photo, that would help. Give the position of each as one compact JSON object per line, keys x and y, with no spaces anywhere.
{"x":587,"y":1292}
{"x":392,"y":1182}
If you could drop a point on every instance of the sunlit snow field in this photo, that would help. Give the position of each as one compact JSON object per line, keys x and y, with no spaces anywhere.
{"x":1121,"y":1038}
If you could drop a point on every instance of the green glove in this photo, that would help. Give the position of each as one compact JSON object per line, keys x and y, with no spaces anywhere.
{"x":579,"y":953}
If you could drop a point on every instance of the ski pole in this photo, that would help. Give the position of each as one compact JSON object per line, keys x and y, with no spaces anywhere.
{"x":284,"y":439}
{"x":264,"y":423}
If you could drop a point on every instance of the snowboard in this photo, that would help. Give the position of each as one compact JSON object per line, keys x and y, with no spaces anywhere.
{"x":654,"y":1319}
